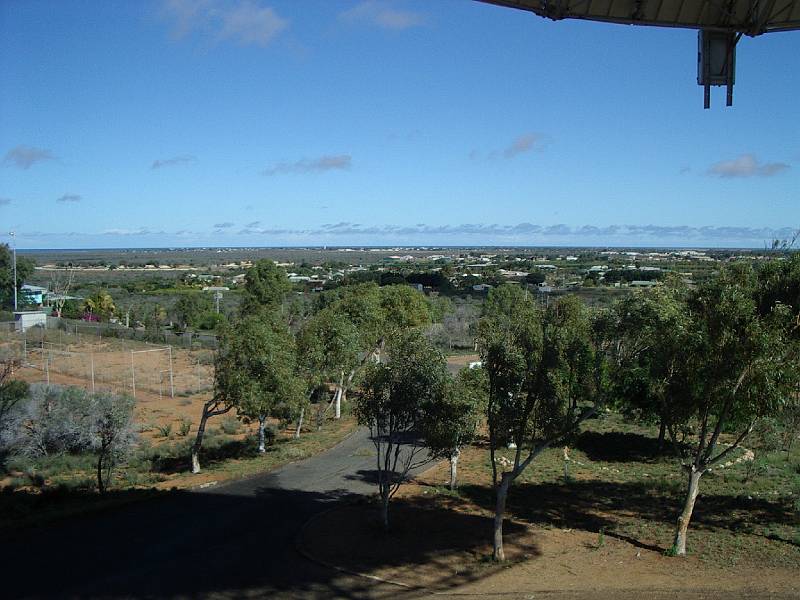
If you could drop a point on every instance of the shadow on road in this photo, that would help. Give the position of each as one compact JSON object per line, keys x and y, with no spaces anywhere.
{"x":230,"y":542}
{"x":429,"y":544}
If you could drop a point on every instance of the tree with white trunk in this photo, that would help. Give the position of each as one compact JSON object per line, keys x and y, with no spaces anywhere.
{"x":742,"y":365}
{"x":328,"y":353}
{"x":451,"y":419}
{"x":393,"y":398}
{"x":255,"y":371}
{"x":540,"y":365}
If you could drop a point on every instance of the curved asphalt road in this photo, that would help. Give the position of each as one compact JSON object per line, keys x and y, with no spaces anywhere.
{"x":231,"y":541}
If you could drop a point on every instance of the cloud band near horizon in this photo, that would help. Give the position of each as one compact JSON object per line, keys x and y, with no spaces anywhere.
{"x":525,"y":234}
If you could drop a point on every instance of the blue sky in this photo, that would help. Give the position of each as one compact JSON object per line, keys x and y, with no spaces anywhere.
{"x":349,"y":122}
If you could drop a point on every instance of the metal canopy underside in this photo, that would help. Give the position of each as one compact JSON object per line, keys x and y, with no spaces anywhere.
{"x":749,"y":17}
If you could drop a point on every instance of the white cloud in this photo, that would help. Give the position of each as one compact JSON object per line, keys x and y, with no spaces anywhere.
{"x":746,"y":165}
{"x":25,"y":157}
{"x":174,"y":161}
{"x":337,"y":162}
{"x":249,"y":23}
{"x":246,"y":22}
{"x":382,"y":14}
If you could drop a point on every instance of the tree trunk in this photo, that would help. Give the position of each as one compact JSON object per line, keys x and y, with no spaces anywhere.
{"x":262,"y":422}
{"x":320,"y":414}
{"x":679,"y":546}
{"x":198,"y":440}
{"x":385,"y":510}
{"x":499,"y":511}
{"x":662,"y":432}
{"x":100,"y":487}
{"x":299,"y":423}
{"x":454,"y":467}
{"x":338,"y":399}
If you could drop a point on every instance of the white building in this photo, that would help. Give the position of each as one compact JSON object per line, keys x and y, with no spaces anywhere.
{"x":25,"y":319}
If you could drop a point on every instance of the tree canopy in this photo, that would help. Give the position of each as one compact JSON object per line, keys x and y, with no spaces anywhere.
{"x":266,"y":285}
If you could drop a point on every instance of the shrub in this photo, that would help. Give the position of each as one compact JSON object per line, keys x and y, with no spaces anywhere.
{"x":185,"y":427}
{"x":164,"y":430}
{"x":270,"y":434}
{"x":230,"y":425}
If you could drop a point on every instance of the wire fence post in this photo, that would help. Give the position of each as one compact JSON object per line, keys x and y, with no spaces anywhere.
{"x":171,"y":380}
{"x":91,"y":359}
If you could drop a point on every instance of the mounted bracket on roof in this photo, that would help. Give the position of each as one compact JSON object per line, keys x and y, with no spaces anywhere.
{"x":721,"y":24}
{"x":716,"y":62}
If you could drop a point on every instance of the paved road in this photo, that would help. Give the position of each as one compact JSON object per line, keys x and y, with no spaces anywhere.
{"x":232,"y":541}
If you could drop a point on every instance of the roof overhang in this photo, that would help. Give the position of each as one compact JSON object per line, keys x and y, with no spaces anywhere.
{"x":748,"y":17}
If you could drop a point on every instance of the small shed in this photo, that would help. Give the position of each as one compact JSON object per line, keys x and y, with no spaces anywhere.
{"x":25,"y":319}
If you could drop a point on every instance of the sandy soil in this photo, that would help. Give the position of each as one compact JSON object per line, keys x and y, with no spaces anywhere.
{"x":442,"y":550}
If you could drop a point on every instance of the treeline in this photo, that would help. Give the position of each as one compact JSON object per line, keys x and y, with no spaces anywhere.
{"x":706,"y":364}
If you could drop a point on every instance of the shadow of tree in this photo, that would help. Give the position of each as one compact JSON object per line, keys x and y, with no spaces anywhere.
{"x":177,"y":459}
{"x":428,"y":544}
{"x":228,"y":542}
{"x":594,"y":505}
{"x":615,"y":446}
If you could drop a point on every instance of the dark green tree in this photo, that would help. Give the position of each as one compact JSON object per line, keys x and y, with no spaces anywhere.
{"x":743,"y":366}
{"x":255,"y":372}
{"x":265,"y":287}
{"x":394,"y":396}
{"x":540,"y":365}
{"x":25,"y":268}
{"x":450,"y":420}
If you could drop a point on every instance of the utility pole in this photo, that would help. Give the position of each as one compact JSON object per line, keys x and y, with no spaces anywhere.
{"x":14,"y":253}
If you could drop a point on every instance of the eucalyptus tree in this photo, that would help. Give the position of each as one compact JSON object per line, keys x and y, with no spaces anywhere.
{"x":255,"y":371}
{"x":540,"y":365}
{"x":742,"y":367}
{"x":394,"y":396}
{"x":361,"y":317}
{"x":652,"y":330}
{"x":266,"y":285}
{"x":450,"y":420}
{"x":328,"y":348}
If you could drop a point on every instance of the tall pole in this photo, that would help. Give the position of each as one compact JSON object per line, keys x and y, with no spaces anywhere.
{"x":14,"y":253}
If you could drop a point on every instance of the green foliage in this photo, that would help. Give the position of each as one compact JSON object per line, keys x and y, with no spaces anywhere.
{"x":266,"y":286}
{"x":193,"y":308}
{"x":164,"y":430}
{"x":25,"y":268}
{"x":450,"y":420}
{"x":101,"y":304}
{"x":652,"y":330}
{"x":111,"y":432}
{"x":540,"y":365}
{"x":255,"y":369}
{"x":396,"y":392}
{"x":13,"y":393}
{"x":185,"y":427}
{"x":328,"y":347}
{"x":394,"y":397}
{"x":230,"y":425}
